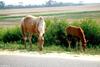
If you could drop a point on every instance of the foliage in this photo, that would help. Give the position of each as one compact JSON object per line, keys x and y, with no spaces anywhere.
{"x":11,"y":34}
{"x":91,"y":30}
{"x":55,"y":33}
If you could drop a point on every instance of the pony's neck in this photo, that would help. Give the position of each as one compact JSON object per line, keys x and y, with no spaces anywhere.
{"x":82,"y":37}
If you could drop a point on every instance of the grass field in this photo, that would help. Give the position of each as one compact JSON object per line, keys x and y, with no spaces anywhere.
{"x":25,"y":11}
{"x":12,"y":17}
{"x":71,"y":13}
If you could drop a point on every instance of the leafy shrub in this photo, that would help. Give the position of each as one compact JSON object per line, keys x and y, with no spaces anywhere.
{"x":55,"y":33}
{"x":2,"y":31}
{"x":11,"y":35}
{"x":91,"y":30}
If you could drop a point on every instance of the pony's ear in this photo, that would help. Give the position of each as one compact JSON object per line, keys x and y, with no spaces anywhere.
{"x":40,"y":17}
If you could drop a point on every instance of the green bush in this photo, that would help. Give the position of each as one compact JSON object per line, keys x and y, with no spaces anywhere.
{"x":91,"y":30}
{"x":11,"y":34}
{"x":55,"y":33}
{"x":2,"y":32}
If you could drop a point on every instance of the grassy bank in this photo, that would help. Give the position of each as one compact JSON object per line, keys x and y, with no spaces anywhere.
{"x":48,"y":49}
{"x":55,"y":36}
{"x":55,"y":33}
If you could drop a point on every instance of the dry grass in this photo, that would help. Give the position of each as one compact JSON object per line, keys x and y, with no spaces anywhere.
{"x":66,"y":10}
{"x":26,"y":11}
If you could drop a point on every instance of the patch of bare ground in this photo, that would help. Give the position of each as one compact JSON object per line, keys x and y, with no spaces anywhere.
{"x":54,"y":54}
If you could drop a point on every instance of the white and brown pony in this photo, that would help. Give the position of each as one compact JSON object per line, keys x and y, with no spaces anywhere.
{"x":76,"y":32}
{"x":33,"y":25}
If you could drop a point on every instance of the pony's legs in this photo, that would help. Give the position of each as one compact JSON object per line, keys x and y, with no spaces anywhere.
{"x":69,"y":43}
{"x":83,"y":46}
{"x":78,"y":45}
{"x":24,"y":38}
{"x":42,"y":42}
{"x":30,"y":37}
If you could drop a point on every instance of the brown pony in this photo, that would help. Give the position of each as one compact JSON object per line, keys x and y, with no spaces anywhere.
{"x":33,"y":25}
{"x":77,"y":32}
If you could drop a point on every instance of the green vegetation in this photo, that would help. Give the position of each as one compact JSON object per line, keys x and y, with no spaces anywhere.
{"x":10,"y":34}
{"x":55,"y":36}
{"x":50,"y":49}
{"x":77,"y":14}
{"x":6,"y":17}
{"x":55,"y":33}
{"x":92,"y":31}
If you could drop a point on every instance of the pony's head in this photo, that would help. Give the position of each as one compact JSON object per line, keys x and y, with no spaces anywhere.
{"x":41,"y":42}
{"x":84,"y":45}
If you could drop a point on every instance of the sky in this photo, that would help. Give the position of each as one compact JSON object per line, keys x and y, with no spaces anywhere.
{"x":37,"y":2}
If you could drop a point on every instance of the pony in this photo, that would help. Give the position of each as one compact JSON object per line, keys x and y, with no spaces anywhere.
{"x":31,"y":25}
{"x":74,"y":31}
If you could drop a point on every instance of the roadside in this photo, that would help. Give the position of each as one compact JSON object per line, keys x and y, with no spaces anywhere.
{"x":65,"y":55}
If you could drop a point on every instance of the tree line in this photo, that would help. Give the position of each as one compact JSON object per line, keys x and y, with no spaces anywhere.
{"x":49,"y":3}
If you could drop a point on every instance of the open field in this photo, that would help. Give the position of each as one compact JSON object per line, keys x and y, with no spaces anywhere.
{"x":25,"y":11}
{"x":71,"y":13}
